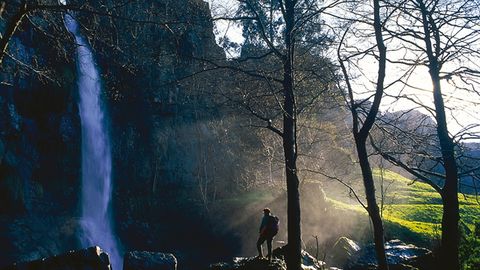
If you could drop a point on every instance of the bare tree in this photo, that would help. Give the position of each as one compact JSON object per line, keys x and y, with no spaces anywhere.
{"x":275,"y":32}
{"x":364,"y":114}
{"x":408,"y":139}
{"x":442,"y":36}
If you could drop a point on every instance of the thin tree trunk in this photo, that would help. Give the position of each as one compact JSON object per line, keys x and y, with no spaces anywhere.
{"x":372,"y":207}
{"x":361,"y":138}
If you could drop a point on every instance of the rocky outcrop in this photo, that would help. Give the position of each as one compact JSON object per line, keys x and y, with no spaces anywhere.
{"x":144,"y":260}
{"x":39,"y":143}
{"x":343,"y":250}
{"x":276,"y":263}
{"x":399,"y":256}
{"x":92,"y":258}
{"x":348,"y":255}
{"x":150,"y":109}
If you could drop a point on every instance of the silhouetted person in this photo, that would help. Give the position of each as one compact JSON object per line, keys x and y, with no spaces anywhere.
{"x":268,"y":230}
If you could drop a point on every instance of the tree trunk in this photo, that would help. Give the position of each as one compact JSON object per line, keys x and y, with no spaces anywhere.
{"x":293,"y":258}
{"x":372,"y":206}
{"x":361,"y":138}
{"x":289,"y":144}
{"x":449,"y":256}
{"x":361,"y":135}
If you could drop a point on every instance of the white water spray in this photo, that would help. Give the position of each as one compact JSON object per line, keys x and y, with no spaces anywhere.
{"x":96,"y":156}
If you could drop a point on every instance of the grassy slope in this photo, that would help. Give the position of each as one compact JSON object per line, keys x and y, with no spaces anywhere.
{"x":413,"y":210}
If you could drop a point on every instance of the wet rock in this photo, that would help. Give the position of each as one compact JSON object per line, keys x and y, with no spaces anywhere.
{"x":309,"y":262}
{"x":240,"y":263}
{"x":67,"y":128}
{"x":399,"y":256}
{"x":219,"y":266}
{"x":390,"y":267}
{"x":343,"y":251}
{"x":399,"y":252}
{"x":145,"y":260}
{"x":93,"y":258}
{"x":276,"y":263}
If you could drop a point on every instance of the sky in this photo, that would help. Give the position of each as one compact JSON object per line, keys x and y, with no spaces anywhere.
{"x":463,"y":107}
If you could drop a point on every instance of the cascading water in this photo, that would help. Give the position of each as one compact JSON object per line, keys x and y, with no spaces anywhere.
{"x":96,"y":157}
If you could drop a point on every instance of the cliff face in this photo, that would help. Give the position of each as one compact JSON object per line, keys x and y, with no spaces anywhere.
{"x":35,"y":115}
{"x":159,"y":125}
{"x":169,"y":159}
{"x":39,"y":144}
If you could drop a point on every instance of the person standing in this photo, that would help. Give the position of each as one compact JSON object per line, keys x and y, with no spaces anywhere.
{"x":268,"y":229}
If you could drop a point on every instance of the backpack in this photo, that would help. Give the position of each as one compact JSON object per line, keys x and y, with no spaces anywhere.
{"x":273,"y":225}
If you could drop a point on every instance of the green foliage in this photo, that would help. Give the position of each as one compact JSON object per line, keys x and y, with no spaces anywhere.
{"x":470,"y":249}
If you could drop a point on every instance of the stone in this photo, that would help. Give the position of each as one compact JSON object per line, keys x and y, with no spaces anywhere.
{"x":399,"y":256}
{"x":92,"y":258}
{"x":276,"y":263}
{"x":146,"y":260}
{"x":219,"y":266}
{"x":308,"y":261}
{"x":240,"y":263}
{"x":343,"y":251}
{"x":399,"y":252}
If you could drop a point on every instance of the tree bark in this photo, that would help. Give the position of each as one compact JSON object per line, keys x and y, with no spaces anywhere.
{"x":372,"y":207}
{"x":289,"y":144}
{"x":361,"y":138}
{"x":449,"y":254}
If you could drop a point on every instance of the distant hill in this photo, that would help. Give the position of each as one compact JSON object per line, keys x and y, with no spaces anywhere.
{"x":412,"y":211}
{"x":411,"y":136}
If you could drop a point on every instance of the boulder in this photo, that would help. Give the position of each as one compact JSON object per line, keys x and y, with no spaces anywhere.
{"x":343,"y":251}
{"x":92,"y":258}
{"x":400,"y":253}
{"x":399,"y":256}
{"x":145,"y":260}
{"x":308,"y":261}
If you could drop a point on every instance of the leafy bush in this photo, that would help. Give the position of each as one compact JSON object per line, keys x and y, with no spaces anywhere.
{"x":470,"y":249}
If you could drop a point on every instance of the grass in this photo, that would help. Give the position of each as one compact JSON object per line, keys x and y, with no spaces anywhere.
{"x":413,"y":210}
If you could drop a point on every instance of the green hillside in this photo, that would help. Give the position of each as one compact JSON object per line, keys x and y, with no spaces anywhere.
{"x":417,"y":207}
{"x":413,"y":210}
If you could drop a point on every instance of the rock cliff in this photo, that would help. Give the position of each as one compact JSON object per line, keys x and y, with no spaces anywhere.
{"x":159,"y":124}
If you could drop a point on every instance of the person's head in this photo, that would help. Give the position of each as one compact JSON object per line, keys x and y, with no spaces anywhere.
{"x":266,"y":211}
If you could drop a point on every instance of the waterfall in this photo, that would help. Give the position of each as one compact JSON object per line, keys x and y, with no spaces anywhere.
{"x":96,"y":157}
